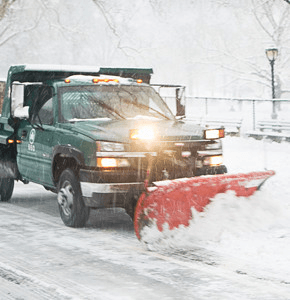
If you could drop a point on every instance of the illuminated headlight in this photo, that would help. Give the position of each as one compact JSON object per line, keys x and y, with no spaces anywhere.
{"x":211,"y":134}
{"x":109,"y":146}
{"x":109,"y":162}
{"x":145,"y":133}
{"x":213,"y":161}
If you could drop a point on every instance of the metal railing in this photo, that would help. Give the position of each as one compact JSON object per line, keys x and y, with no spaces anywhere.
{"x":249,"y":110}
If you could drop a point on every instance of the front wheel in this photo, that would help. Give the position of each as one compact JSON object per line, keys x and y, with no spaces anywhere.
{"x":6,"y":189}
{"x":72,"y":209}
{"x":131,"y":202}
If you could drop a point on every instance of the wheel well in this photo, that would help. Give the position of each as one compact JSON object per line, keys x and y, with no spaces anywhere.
{"x":60,"y":163}
{"x":8,"y":164}
{"x":8,"y":152}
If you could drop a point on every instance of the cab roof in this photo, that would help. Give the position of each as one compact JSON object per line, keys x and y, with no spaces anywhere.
{"x":40,"y":73}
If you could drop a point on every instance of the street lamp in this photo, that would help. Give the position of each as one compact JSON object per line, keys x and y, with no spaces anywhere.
{"x":272,"y":56}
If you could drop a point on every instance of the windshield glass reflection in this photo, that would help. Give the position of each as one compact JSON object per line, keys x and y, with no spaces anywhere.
{"x":79,"y":103}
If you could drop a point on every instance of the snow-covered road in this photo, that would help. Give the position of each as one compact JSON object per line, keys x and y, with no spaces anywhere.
{"x":235,"y":250}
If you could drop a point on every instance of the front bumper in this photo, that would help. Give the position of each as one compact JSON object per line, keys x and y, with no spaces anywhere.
{"x":114,"y":187}
{"x":97,"y":193}
{"x":105,"y":195}
{"x":90,"y":188}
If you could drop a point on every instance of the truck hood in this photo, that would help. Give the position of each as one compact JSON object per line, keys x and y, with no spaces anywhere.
{"x":118,"y":130}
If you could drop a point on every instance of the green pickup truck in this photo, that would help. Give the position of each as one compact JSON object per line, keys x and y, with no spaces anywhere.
{"x":88,"y":134}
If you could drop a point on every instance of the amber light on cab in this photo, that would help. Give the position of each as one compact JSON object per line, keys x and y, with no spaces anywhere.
{"x":97,"y":80}
{"x":10,"y":141}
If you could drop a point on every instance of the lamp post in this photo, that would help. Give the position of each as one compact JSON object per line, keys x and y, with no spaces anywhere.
{"x":272,"y":56}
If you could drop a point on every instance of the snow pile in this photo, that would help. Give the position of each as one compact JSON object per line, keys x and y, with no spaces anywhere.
{"x":249,"y":234}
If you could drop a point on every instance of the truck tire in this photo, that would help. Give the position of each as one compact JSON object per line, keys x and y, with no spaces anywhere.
{"x":131,"y":202}
{"x":6,"y":189}
{"x":72,"y":209}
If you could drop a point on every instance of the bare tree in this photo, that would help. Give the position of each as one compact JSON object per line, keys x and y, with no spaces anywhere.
{"x":112,"y":15}
{"x":270,"y":24}
{"x":20,"y":16}
{"x":274,"y":21}
{"x":4,"y":12}
{"x":10,"y":20}
{"x":4,"y":6}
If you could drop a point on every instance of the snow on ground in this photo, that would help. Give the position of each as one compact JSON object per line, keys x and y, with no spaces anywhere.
{"x":236,"y":249}
{"x":251,"y":235}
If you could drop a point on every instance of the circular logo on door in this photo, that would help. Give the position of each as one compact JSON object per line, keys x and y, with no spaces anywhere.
{"x":32,"y":136}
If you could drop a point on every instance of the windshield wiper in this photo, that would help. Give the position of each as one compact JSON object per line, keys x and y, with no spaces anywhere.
{"x":141,"y":105}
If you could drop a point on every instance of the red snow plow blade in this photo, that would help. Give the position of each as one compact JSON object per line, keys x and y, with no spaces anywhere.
{"x":171,"y":201}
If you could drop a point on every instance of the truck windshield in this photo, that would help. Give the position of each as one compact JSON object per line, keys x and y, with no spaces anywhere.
{"x":79,"y":103}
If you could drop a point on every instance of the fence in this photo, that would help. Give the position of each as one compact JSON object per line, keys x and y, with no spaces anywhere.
{"x":249,"y":110}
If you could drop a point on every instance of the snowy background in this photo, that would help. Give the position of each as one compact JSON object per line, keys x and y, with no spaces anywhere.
{"x":217,"y":49}
{"x":214,"y":47}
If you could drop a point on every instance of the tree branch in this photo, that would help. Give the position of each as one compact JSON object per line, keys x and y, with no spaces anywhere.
{"x":12,"y":35}
{"x":4,"y":6}
{"x":113,"y":27}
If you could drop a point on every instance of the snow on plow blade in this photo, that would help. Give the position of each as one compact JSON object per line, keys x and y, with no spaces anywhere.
{"x":171,"y":202}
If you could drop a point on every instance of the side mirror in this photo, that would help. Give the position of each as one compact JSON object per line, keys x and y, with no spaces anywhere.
{"x":17,"y":101}
{"x":180,"y":107}
{"x":21,"y":112}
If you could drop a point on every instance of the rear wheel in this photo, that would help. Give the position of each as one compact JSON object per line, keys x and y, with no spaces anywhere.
{"x":6,"y":189}
{"x":72,"y":209}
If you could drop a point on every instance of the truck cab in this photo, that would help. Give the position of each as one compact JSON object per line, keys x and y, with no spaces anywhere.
{"x":94,"y":136}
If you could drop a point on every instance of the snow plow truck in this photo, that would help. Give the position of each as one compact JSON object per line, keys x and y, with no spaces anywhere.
{"x":104,"y":137}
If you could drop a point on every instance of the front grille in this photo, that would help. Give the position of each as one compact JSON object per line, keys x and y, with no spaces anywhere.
{"x":174,"y":159}
{"x":169,"y":162}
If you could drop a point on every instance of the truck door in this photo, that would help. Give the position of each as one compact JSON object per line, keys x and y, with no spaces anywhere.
{"x":35,"y":151}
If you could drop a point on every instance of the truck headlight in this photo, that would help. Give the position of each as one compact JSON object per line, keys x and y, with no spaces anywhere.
{"x":213,"y":161}
{"x":144,"y":133}
{"x":109,"y":155}
{"x":212,"y":134}
{"x":111,"y":162}
{"x":110,"y":147}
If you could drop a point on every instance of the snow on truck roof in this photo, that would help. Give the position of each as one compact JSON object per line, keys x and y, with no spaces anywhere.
{"x":61,"y":68}
{"x":39,"y":72}
{"x":85,"y":69}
